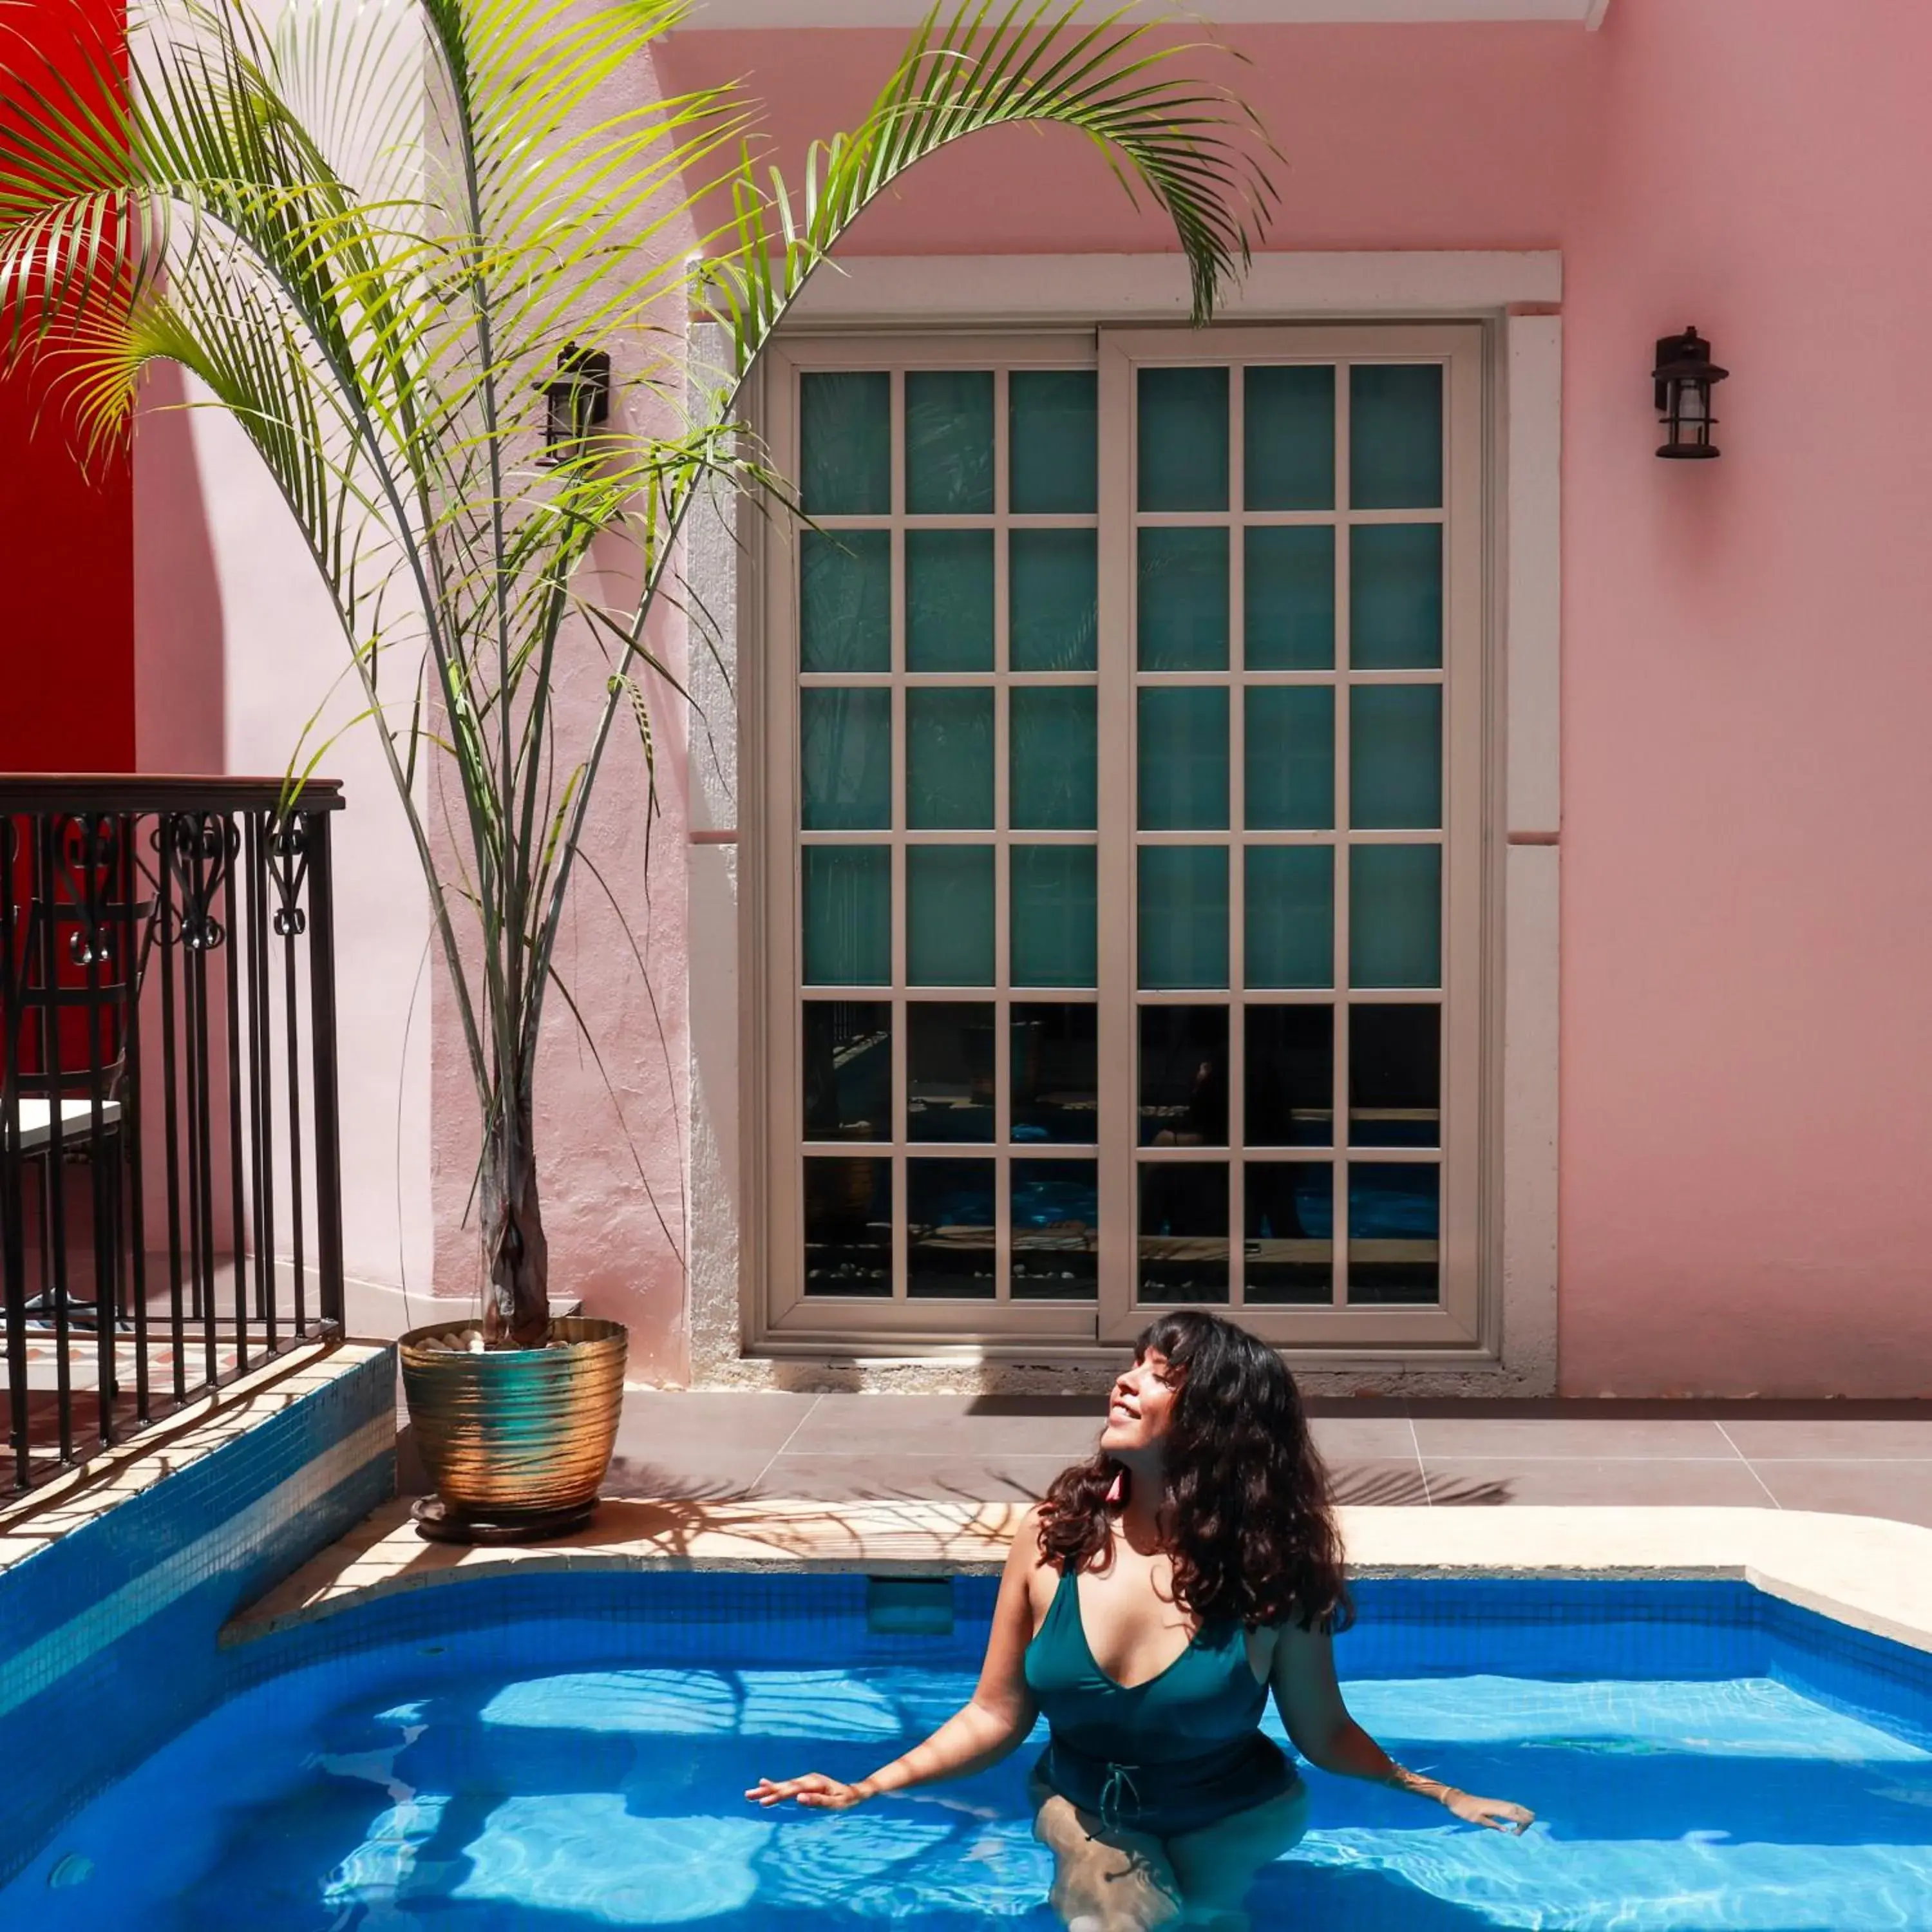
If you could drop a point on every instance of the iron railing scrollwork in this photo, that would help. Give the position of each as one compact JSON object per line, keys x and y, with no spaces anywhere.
{"x":170,"y":1171}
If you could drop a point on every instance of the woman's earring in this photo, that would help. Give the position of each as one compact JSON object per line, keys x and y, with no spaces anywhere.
{"x":1118,"y":1491}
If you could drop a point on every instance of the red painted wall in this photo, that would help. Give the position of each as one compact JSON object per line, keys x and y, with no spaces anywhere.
{"x":67,"y":535}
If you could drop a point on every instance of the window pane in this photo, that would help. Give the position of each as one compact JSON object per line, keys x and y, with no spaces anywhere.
{"x":949,"y":600}
{"x":1054,"y":911}
{"x":1184,"y":439}
{"x":1182,"y":1252}
{"x":949,"y":1070}
{"x":1395,"y":1223}
{"x":1395,"y":915}
{"x":949,"y":432}
{"x":1182,"y":623}
{"x":1395,"y":596}
{"x":847,"y":915}
{"x":1053,"y":417}
{"x":1056,"y":1223}
{"x":1053,"y":599}
{"x":1395,"y":1076}
{"x":845,"y":600}
{"x":1290,"y":1069}
{"x":1395,"y":435}
{"x":848,"y":1226}
{"x":950,"y":758}
{"x":845,"y":426}
{"x":1291,"y":916}
{"x":949,"y":920}
{"x":949,"y":1228}
{"x":1291,"y":756}
{"x":1182,"y":758}
{"x":1289,"y":621}
{"x":1052,"y":777}
{"x":846,"y":760}
{"x":848,"y":1069}
{"x":1182,"y":1089}
{"x":1056,"y":1070}
{"x":1289,"y":438}
{"x":1288,"y":1219}
{"x":1395,"y":756}
{"x":1183,"y":916}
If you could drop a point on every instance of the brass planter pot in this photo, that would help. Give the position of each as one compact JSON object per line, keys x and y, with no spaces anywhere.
{"x":516,"y":1440}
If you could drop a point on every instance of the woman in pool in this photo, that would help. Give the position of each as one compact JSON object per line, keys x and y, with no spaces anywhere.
{"x":1149,"y":1605}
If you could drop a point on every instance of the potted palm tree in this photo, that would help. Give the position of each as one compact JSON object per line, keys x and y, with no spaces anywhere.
{"x":404,"y":248}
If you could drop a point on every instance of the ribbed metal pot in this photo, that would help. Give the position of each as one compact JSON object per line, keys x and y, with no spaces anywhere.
{"x":516,"y":1433}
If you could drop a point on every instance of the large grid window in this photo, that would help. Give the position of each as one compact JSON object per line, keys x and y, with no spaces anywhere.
{"x":1123,"y":835}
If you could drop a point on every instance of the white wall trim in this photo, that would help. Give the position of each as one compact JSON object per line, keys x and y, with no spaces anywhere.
{"x":1520,"y":1334}
{"x":770,"y":13}
{"x":977,"y":291}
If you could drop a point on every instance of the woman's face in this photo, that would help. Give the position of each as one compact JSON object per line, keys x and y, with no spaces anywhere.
{"x":1140,"y":1410}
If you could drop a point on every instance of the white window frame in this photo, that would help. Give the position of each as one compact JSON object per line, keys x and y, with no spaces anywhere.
{"x":1506,"y":1335}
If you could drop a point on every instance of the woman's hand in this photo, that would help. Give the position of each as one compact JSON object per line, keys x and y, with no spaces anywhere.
{"x":1499,"y":1814}
{"x":815,"y":1789}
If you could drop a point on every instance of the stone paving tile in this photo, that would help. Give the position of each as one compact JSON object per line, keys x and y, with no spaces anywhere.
{"x":1824,"y":1440}
{"x":1349,"y":1437}
{"x":1590,"y":1439}
{"x":995,"y":1478}
{"x":1901,"y":1490}
{"x":1573,"y":1480}
{"x":936,"y":1425}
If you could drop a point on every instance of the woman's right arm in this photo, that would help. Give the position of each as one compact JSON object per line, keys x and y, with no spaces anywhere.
{"x":992,"y":1726}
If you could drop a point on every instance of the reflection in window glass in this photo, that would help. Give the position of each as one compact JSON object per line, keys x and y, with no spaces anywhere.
{"x":1395,"y":1225}
{"x":848,"y":1069}
{"x":1288,"y":1223}
{"x":949,"y":1070}
{"x":848,"y":1226}
{"x":1183,"y":1076}
{"x":1181,"y":1253}
{"x":949,"y":1229}
{"x":1290,"y":1076}
{"x":1056,"y":1223}
{"x":1056,"y":1092}
{"x":1395,"y":1076}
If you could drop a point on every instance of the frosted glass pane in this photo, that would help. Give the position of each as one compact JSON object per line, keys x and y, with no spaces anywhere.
{"x":949,"y":916}
{"x":1395,"y":915}
{"x":1290,"y":1076}
{"x":1051,"y":785}
{"x":1395,"y":596}
{"x":848,"y":1069}
{"x":1289,"y":1224}
{"x":1183,"y":916}
{"x":1182,"y":758}
{"x":1053,"y":417}
{"x":1184,"y":439}
{"x":1182,"y":620}
{"x":1053,"y":586}
{"x":949,"y":1224}
{"x":949,"y":432}
{"x":1055,"y":906}
{"x":1056,"y":1223}
{"x":1291,"y":756}
{"x":1056,"y":1074}
{"x":1291,"y":916}
{"x":1395,"y":435}
{"x":848,"y":1226}
{"x":846,"y":760}
{"x":1395,"y":757}
{"x":950,"y":758}
{"x":1289,"y":621}
{"x":949,"y":600}
{"x":845,"y":425}
{"x":949,"y":1070}
{"x":1289,"y":438}
{"x":845,"y":600}
{"x":848,"y":913}
{"x":1395,"y":1076}
{"x":1395,"y":1229}
{"x":1181,"y":1254}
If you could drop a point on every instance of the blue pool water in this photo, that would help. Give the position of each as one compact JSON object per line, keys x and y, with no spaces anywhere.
{"x":561,"y":1753}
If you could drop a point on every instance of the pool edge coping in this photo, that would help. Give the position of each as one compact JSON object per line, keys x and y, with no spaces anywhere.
{"x":1870,"y":1573}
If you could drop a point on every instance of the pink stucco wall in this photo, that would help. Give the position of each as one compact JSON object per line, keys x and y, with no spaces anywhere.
{"x":1746,"y":1033}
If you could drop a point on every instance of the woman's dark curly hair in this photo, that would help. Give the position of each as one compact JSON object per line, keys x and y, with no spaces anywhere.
{"x":1255,"y":1538}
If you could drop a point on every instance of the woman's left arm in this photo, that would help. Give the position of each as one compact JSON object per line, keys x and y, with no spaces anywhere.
{"x":1309,"y":1699}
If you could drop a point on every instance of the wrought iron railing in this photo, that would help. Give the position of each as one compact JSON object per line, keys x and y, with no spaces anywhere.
{"x":170,"y":1171}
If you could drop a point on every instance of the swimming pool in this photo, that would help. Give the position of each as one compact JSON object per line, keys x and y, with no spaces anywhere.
{"x":556,"y":1753}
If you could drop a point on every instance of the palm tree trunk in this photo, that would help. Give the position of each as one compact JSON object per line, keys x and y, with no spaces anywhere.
{"x":516,"y":1313}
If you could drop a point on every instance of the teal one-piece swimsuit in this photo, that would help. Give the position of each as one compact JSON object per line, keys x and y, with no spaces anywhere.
{"x":1183,"y":1750}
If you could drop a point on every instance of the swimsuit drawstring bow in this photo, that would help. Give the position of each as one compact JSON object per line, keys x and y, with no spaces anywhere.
{"x":1119,"y":1778}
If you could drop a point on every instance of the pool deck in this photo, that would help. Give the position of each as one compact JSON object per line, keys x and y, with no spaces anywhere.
{"x":1828,"y":1505}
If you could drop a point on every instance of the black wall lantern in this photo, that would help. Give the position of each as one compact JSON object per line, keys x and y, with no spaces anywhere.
{"x":576,"y":401}
{"x":1684,"y":377}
